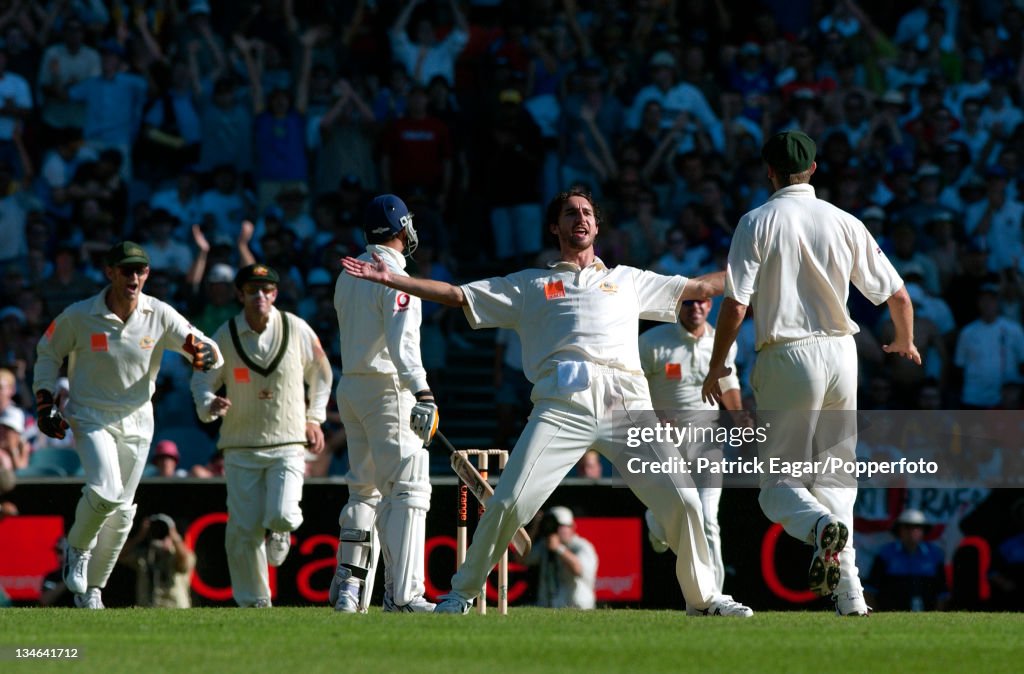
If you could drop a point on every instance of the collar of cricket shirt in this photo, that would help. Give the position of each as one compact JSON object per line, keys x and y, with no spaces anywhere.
{"x":561,"y":265}
{"x":799,"y":190}
{"x":99,"y":304}
{"x":387,"y":252}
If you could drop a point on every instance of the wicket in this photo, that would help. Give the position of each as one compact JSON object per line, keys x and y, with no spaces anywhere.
{"x":462,"y":522}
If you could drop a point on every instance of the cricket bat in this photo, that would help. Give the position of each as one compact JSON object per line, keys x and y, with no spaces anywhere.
{"x":482,"y":490}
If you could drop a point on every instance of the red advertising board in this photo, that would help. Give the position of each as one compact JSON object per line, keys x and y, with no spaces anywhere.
{"x":32,"y":539}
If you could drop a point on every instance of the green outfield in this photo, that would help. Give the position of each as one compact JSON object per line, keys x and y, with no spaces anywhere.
{"x":304,"y":640}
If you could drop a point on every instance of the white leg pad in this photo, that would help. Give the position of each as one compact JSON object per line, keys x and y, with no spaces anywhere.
{"x":109,"y":542}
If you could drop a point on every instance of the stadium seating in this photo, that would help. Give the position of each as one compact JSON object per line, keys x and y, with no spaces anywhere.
{"x":52,"y":462}
{"x":194,"y":446}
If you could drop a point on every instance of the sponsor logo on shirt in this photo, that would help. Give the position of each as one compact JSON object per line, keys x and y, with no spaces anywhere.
{"x":98,"y":341}
{"x":265,"y":394}
{"x":242,"y":375}
{"x":147,"y":343}
{"x":50,"y":329}
{"x":402,"y":302}
{"x":554,"y":290}
{"x":673,"y":371}
{"x":609,"y":288}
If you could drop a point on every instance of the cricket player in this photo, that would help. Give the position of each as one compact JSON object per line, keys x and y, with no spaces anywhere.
{"x":383,"y":385}
{"x":578,"y":324}
{"x":113,"y":342}
{"x":794,"y":257}
{"x":675,"y":359}
{"x":273,"y":364}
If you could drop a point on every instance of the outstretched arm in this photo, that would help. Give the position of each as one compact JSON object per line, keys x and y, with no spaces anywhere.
{"x":377,"y":271}
{"x":703,"y":287}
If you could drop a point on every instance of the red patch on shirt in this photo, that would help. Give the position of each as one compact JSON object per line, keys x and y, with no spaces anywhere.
{"x":402,"y":302}
{"x":554,"y":290}
{"x":50,"y":329}
{"x":673,"y":371}
{"x":98,"y":341}
{"x":242,"y":375}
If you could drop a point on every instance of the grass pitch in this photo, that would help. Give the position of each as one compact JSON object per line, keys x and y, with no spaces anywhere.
{"x":306,"y":640}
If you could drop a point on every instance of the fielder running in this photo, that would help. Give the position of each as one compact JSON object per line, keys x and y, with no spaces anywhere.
{"x":578,"y":324}
{"x":113,"y":342}
{"x":383,"y":385}
{"x":675,"y":359}
{"x":271,"y":359}
{"x":795,"y":257}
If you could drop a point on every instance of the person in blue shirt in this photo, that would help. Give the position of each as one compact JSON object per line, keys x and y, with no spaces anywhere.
{"x":909,"y":574}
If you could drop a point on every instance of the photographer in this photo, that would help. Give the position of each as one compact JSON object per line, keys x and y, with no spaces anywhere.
{"x":163,"y":565}
{"x":568,"y":562}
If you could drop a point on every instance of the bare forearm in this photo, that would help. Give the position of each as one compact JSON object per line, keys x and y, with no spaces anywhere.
{"x":902,"y":311}
{"x":427,"y":289}
{"x":730,"y":317}
{"x":703,"y":287}
{"x":731,"y":400}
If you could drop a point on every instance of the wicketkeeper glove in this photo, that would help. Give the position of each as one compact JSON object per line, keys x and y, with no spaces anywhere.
{"x":424,"y":417}
{"x":48,"y":417}
{"x":202,"y":353}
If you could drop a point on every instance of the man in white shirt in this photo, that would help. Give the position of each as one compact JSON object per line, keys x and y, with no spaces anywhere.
{"x":426,"y":58}
{"x":273,"y":364}
{"x":675,"y":359}
{"x":383,"y":384}
{"x":577,"y":321}
{"x":990,"y":351}
{"x":113,"y":342}
{"x":795,"y":257}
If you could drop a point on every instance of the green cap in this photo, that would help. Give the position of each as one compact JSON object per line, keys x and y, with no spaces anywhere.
{"x":256,"y":273}
{"x":126,"y":252}
{"x":789,"y":152}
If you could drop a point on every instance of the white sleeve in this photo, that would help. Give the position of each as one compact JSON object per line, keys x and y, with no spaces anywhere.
{"x":658,"y":296}
{"x":316,"y":371}
{"x":743,"y":264}
{"x":493,"y":303}
{"x":872,"y":274}
{"x":54,"y":346}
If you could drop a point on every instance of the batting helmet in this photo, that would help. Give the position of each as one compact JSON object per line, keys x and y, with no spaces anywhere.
{"x":386,"y":217}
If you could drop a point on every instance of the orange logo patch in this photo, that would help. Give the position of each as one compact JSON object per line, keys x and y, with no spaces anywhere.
{"x":98,"y":341}
{"x":554,"y":290}
{"x":242,"y":375}
{"x":673,"y":371}
{"x":50,"y":329}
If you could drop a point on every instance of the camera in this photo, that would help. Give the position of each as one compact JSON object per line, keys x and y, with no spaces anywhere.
{"x":548,"y":526}
{"x":160,"y":526}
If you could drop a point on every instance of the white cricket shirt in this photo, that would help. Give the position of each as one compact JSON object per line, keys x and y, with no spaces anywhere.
{"x":380,"y":327}
{"x":112,"y":364}
{"x":794,"y":257}
{"x":675,"y":363}
{"x":565,"y":313}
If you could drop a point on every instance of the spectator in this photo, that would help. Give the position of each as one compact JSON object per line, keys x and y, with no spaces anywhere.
{"x":163,"y":564}
{"x":996,"y":221}
{"x":989,"y":351}
{"x":426,"y":57}
{"x":166,"y":459}
{"x":165,"y":253}
{"x":182,"y":202}
{"x":416,"y":152}
{"x":567,"y":561}
{"x":221,"y":303}
{"x":14,"y":450}
{"x":226,"y":204}
{"x":589,"y":466}
{"x":908,"y":574}
{"x":17,"y":105}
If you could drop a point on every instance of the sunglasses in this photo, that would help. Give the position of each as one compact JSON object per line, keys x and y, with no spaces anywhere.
{"x":133,"y":269}
{"x":690,"y":303}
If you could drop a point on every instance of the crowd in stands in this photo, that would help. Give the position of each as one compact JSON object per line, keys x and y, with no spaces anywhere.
{"x":214,"y":133}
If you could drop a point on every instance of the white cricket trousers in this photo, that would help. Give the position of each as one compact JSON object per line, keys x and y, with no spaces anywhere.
{"x":264,"y":489}
{"x":113,"y":447}
{"x":805,"y":386}
{"x":384,"y":452}
{"x":561,"y":428}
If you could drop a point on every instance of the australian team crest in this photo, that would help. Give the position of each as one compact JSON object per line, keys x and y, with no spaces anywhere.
{"x":147,"y":343}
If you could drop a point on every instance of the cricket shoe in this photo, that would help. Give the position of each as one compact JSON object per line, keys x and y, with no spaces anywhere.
{"x":830,"y":536}
{"x":76,"y":566}
{"x":453,"y":603}
{"x":655,"y":534}
{"x":91,"y":598}
{"x":851,"y":604}
{"x":278,"y":545}
{"x":417,"y":605}
{"x":261,"y":603}
{"x":723,"y":605}
{"x":345,"y":591}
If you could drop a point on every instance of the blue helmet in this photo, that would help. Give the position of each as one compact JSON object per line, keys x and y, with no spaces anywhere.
{"x":386,"y":217}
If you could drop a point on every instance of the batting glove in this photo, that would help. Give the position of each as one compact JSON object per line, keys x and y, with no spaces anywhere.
{"x":48,"y":417}
{"x":424,"y":417}
{"x":202,"y":353}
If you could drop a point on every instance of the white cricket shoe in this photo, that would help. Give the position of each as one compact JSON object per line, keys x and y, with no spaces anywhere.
{"x":723,"y":605}
{"x":91,"y":598}
{"x":851,"y":604}
{"x":278,"y":545}
{"x":417,"y":605}
{"x":830,"y":536}
{"x":655,"y":534}
{"x":262,"y":603}
{"x":76,"y":567}
{"x":453,"y":603}
{"x":348,"y":597}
